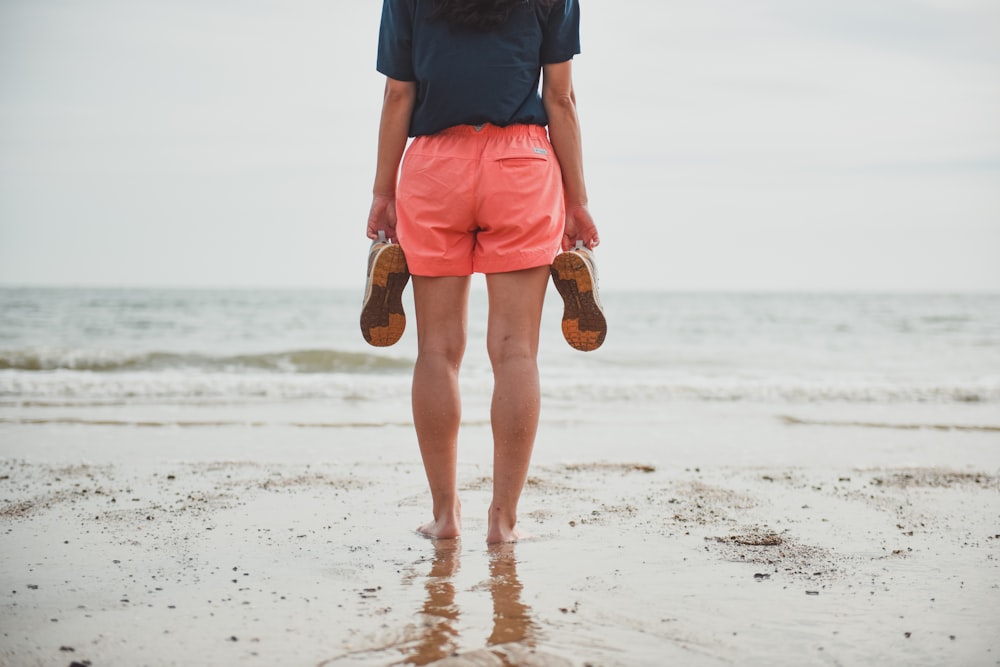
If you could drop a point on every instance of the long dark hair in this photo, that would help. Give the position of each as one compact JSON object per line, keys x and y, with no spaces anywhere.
{"x":479,"y":13}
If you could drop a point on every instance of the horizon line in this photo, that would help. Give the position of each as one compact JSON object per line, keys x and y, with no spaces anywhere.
{"x":942,"y":291}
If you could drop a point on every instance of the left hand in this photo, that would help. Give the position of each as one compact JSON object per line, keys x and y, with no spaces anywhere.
{"x":382,"y":217}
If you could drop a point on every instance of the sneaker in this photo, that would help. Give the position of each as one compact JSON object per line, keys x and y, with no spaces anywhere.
{"x":382,"y":317}
{"x":575,"y":275}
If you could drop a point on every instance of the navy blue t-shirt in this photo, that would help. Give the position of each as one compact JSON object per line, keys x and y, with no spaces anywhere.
{"x":468,"y":76}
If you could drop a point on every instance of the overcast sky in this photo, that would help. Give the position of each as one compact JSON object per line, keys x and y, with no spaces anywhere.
{"x":773,"y":144}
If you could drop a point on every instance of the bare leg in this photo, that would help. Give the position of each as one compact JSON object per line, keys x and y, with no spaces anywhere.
{"x":516,"y":300}
{"x":441,"y":306}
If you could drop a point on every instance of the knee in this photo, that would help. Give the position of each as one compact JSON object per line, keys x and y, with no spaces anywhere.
{"x":446,"y":351}
{"x":504,"y":350}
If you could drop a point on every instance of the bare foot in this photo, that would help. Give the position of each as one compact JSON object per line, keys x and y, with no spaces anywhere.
{"x":504,"y":536}
{"x":503,"y":528}
{"x":448,"y":526}
{"x":439,"y":530}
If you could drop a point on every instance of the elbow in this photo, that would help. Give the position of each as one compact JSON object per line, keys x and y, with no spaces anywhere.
{"x":562,"y":100}
{"x":558,"y":104}
{"x":565,"y":99}
{"x":399,"y":92}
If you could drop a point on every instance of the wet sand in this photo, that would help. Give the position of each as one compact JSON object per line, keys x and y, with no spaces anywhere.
{"x":760,"y":541}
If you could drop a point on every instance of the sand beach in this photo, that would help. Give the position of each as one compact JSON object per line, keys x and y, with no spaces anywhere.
{"x":695,"y":534}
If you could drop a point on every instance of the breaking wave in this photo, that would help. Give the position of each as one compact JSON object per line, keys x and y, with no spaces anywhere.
{"x":294,"y":361}
{"x":180,"y":387}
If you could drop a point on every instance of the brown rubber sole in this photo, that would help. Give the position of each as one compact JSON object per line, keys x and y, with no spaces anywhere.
{"x":382,"y":317}
{"x":583,"y":322}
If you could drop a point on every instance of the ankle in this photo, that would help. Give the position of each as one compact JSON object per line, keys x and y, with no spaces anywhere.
{"x":447,"y":521}
{"x":448,"y":509}
{"x":501,"y":524}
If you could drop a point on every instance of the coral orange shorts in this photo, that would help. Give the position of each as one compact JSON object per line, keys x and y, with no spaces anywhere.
{"x":486,"y":201}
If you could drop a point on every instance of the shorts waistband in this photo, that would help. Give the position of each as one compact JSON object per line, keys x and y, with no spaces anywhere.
{"x":490,"y":130}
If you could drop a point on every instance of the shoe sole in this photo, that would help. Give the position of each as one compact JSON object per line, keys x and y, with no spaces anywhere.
{"x":583,"y":323}
{"x":382,"y":317}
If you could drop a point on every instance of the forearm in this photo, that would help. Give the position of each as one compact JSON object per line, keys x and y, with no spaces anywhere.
{"x":564,"y":133}
{"x":397,"y":108}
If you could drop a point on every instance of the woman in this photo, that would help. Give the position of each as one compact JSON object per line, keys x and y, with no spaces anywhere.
{"x":483,"y":189}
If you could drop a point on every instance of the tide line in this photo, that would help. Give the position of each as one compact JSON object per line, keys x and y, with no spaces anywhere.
{"x":796,"y":421}
{"x":76,"y":421}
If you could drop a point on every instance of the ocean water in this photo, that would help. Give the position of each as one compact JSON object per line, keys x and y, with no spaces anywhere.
{"x":249,"y":349}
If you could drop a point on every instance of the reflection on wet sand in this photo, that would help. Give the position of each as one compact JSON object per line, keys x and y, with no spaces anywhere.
{"x":511,"y":617}
{"x":439,"y":636}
